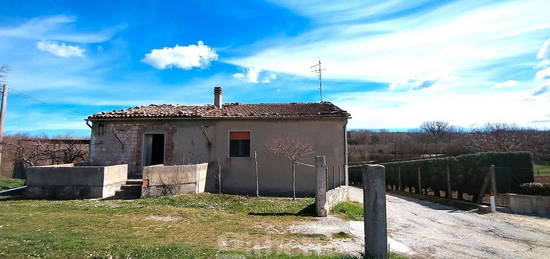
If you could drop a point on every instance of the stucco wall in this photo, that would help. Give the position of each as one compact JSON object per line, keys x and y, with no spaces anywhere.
{"x":186,"y":143}
{"x":176,"y":179}
{"x":70,"y":182}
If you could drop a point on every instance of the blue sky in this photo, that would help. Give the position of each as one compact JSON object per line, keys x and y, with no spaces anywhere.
{"x":391,"y":64}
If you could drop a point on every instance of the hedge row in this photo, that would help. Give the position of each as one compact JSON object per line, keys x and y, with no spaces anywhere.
{"x":467,"y":172}
{"x":535,"y":189}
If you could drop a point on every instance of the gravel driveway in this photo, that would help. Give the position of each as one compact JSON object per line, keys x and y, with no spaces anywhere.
{"x":436,"y":231}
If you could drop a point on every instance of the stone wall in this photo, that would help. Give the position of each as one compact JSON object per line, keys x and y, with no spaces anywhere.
{"x":75,"y":182}
{"x":169,"y":180}
{"x":529,"y":204}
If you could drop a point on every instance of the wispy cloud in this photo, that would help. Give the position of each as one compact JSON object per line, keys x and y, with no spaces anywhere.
{"x":60,"y":49}
{"x":457,"y":38}
{"x":255,"y":75}
{"x":184,"y":57}
{"x":58,"y":28}
{"x":506,"y":84}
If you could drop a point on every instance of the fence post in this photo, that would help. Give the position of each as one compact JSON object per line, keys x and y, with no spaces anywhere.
{"x":333,"y":179}
{"x":449,"y":191}
{"x":257,"y":174}
{"x":374,"y":200}
{"x":419,"y":191}
{"x":399,"y":177}
{"x":219,"y":178}
{"x":321,"y":186}
{"x":493,"y":188}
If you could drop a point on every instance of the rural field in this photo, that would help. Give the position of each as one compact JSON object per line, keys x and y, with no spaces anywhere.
{"x":542,"y":170}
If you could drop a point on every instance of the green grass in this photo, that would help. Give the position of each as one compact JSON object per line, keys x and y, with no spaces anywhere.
{"x":8,"y":183}
{"x":349,"y":210}
{"x":121,"y":229}
{"x":542,"y":170}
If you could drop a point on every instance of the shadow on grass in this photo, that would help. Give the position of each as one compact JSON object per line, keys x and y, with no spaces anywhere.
{"x":308,"y":211}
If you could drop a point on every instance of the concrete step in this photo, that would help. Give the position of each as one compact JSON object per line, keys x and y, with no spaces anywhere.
{"x":131,"y":187}
{"x":127,"y":195}
{"x":134,"y":181}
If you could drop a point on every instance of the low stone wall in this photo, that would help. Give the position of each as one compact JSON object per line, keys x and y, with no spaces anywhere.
{"x":529,"y":204}
{"x":336,"y":196}
{"x":75,"y":182}
{"x":169,"y":180}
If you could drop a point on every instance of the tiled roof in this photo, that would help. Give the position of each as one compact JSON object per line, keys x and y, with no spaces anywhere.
{"x":229,"y":110}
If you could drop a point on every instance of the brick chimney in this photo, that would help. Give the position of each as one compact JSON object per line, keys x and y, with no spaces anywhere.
{"x":218,"y":97}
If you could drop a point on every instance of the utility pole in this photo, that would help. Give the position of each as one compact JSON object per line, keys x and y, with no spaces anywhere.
{"x":2,"y":118}
{"x":318,"y":70}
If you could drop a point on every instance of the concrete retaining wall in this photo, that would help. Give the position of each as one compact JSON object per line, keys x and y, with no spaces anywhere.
{"x":529,"y":204}
{"x":176,"y":179}
{"x":75,"y":182}
{"x":336,"y":196}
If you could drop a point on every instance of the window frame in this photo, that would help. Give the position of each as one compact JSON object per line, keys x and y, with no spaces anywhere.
{"x":229,"y":143}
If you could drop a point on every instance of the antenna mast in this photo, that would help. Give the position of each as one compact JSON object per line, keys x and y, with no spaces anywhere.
{"x":317,"y":69}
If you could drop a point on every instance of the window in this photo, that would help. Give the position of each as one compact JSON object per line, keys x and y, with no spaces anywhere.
{"x":239,"y":144}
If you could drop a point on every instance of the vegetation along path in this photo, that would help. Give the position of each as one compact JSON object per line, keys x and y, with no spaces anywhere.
{"x":433,"y":230}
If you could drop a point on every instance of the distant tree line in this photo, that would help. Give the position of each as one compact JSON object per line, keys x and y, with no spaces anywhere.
{"x":439,"y":138}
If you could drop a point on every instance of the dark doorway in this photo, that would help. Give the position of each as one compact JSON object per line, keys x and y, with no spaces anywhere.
{"x":153,"y":149}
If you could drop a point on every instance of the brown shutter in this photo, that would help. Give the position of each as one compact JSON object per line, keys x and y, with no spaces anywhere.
{"x":239,"y":135}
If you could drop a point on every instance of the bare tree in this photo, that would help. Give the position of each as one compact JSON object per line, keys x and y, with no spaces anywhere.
{"x":436,"y":130}
{"x":294,"y":149}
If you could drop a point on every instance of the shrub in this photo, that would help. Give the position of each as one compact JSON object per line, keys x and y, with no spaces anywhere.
{"x":535,"y":189}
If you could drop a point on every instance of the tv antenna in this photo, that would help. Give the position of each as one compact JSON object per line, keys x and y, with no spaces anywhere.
{"x":317,"y":69}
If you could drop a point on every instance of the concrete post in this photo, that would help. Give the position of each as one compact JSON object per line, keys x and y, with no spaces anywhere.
{"x":321,"y":186}
{"x":374,"y":200}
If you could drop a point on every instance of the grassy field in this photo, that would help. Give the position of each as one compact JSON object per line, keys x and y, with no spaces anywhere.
{"x":203,"y":226}
{"x":542,"y":170}
{"x":349,"y":210}
{"x":8,"y":183}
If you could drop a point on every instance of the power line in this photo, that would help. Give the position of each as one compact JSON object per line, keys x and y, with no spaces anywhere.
{"x":317,"y":69}
{"x":37,"y":100}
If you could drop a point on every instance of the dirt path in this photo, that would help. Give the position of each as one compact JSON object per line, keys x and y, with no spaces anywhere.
{"x":436,"y":231}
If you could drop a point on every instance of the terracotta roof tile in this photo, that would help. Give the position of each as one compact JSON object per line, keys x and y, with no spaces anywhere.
{"x":229,"y":110}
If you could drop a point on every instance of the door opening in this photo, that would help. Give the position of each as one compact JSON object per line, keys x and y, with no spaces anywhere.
{"x":153,"y":148}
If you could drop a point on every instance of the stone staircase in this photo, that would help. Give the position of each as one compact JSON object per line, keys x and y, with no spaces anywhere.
{"x":130,"y":190}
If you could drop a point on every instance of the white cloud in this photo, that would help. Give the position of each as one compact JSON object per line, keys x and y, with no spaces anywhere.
{"x":544,"y":53}
{"x":60,"y":49}
{"x":255,"y":75}
{"x":250,"y":74}
{"x":459,"y":37}
{"x":506,"y":84}
{"x":183,"y":57}
{"x":409,"y":109}
{"x":421,"y":82}
{"x":541,"y":89}
{"x":543,"y":74}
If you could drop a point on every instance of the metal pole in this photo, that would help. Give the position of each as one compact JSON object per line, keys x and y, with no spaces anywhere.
{"x":493,"y":188}
{"x":2,"y":118}
{"x":419,"y":182}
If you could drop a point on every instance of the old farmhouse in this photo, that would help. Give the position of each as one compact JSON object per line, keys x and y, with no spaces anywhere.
{"x":227,"y":136}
